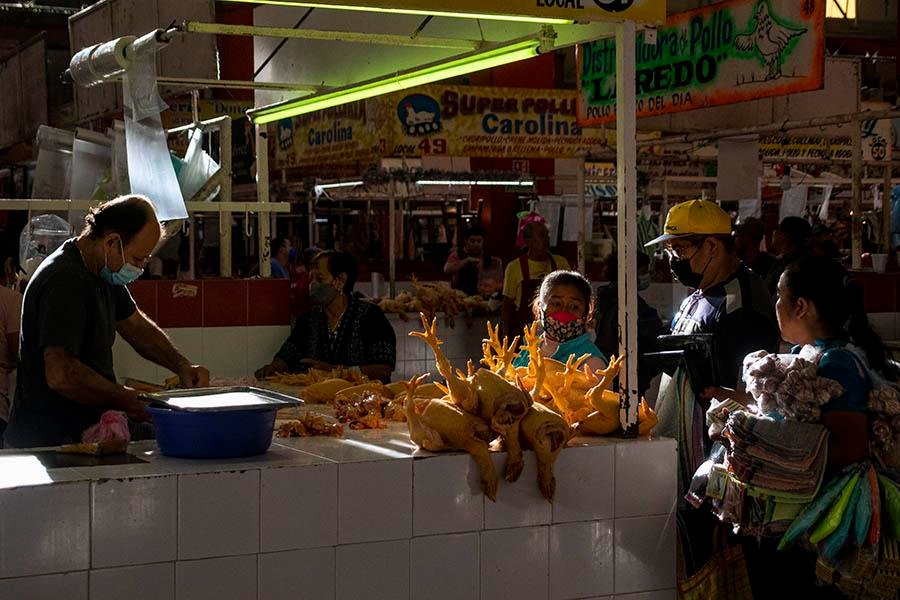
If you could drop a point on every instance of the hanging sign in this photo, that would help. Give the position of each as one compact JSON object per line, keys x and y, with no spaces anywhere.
{"x":646,"y":11}
{"x":441,"y":120}
{"x":343,"y":135}
{"x":720,"y":54}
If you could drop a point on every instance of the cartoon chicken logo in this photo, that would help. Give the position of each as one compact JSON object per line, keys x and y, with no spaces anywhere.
{"x":769,"y":38}
{"x":614,"y":5}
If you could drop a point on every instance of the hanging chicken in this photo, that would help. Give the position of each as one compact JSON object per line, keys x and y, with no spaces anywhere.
{"x":486,"y":394}
{"x":545,"y":432}
{"x":437,"y":425}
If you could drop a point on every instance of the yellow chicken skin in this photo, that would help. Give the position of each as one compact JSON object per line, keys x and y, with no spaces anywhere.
{"x":437,"y":425}
{"x":545,"y":432}
{"x":461,"y":391}
{"x":503,"y":405}
{"x":324,"y":391}
{"x":486,"y":394}
{"x":647,"y":419}
{"x":604,"y":420}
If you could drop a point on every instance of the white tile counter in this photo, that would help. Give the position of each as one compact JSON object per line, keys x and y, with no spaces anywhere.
{"x":365,"y":517}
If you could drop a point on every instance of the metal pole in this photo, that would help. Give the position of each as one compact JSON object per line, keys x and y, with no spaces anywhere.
{"x":192,"y":241}
{"x":338,"y":36}
{"x":886,"y":221}
{"x":262,"y":192}
{"x":774,"y":127}
{"x":579,"y":183}
{"x":225,"y":196}
{"x":856,"y":203}
{"x":392,"y":240}
{"x":626,"y":171}
{"x":310,"y":212}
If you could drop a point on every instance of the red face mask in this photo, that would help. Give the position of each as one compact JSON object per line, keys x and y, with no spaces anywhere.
{"x":563,"y":317}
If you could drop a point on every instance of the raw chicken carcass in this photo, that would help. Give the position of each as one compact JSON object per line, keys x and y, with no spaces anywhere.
{"x":503,"y":405}
{"x":486,"y":394}
{"x":545,"y":432}
{"x":438,"y":425}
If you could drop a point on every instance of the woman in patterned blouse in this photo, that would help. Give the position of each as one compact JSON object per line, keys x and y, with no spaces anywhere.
{"x":341,"y":330}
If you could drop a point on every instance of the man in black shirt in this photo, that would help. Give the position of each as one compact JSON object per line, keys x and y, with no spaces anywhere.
{"x":74,"y":305}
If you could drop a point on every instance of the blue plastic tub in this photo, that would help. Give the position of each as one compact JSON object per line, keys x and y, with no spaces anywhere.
{"x":225,"y":434}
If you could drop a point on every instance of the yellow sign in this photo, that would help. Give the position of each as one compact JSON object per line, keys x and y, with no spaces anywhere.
{"x":344,"y":134}
{"x":645,"y":11}
{"x":448,"y":120}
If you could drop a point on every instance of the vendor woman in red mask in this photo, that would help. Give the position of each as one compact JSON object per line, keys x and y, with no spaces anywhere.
{"x":341,"y":330}
{"x":562,"y":307}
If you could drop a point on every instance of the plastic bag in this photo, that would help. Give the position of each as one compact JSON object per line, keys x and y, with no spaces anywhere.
{"x":197,"y":168}
{"x":812,"y":512}
{"x":113,"y":425}
{"x":834,"y":542}
{"x":832,"y":520}
{"x":40,"y":238}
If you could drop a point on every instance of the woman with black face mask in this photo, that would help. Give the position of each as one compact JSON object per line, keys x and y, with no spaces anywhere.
{"x":341,"y":330}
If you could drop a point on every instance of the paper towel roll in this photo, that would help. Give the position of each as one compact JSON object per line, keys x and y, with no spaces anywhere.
{"x":96,"y":64}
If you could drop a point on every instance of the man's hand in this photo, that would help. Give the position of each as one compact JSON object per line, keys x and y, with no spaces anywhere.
{"x":193,"y":376}
{"x":136,"y":406}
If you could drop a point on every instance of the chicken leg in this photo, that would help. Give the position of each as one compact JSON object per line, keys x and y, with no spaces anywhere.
{"x":461,"y":390}
{"x":437,"y":425}
{"x":545,"y":432}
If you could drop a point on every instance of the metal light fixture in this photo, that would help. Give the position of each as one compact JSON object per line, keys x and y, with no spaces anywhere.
{"x":461,"y":65}
{"x":409,"y":11}
{"x":458,"y":182}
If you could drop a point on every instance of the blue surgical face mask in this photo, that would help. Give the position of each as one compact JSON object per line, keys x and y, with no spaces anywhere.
{"x":127,"y":274}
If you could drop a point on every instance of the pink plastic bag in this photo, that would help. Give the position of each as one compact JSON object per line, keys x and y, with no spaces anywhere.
{"x":113,"y":425}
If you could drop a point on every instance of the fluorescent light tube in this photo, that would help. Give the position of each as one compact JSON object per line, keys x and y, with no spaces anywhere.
{"x":409,"y":11}
{"x":457,"y":182}
{"x":328,"y":186}
{"x":414,"y":78}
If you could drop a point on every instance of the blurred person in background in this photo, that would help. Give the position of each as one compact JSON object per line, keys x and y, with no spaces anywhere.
{"x":472,"y":270}
{"x":280,"y":258}
{"x":524,"y":275}
{"x":790,"y":242}
{"x":606,"y":318}
{"x":748,"y":237}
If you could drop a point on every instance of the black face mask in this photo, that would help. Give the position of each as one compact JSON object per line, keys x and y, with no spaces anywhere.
{"x":681,"y":269}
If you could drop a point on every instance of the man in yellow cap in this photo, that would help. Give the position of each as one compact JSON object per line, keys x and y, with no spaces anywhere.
{"x":726,"y":300}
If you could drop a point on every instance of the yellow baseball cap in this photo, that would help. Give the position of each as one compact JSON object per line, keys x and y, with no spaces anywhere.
{"x":695,"y":217}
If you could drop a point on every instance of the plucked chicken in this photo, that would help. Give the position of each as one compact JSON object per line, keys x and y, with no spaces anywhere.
{"x":436,"y":425}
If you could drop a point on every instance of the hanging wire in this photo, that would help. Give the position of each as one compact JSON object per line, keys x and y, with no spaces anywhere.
{"x":248,"y":230}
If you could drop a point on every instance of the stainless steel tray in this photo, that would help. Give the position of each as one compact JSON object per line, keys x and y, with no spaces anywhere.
{"x":221,"y":399}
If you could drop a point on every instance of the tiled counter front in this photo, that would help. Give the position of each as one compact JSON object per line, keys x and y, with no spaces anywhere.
{"x":366,"y":517}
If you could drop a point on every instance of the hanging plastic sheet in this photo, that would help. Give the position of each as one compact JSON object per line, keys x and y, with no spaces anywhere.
{"x":749,"y":208}
{"x":826,"y":202}
{"x":793,"y":202}
{"x":53,"y":172}
{"x":150,"y":169}
{"x":198,"y":167}
{"x":739,"y":168}
{"x":119,"y":159}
